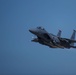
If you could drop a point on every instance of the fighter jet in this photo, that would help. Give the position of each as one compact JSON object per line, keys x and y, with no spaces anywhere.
{"x":51,"y":40}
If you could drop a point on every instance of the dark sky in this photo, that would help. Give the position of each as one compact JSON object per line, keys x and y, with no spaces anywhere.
{"x":20,"y":56}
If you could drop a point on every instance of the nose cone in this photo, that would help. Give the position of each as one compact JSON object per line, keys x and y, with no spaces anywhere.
{"x":32,"y":31}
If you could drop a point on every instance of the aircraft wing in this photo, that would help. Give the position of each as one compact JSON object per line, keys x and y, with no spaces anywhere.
{"x":70,"y":40}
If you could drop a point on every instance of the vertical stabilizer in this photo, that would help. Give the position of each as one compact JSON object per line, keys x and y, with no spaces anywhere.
{"x":73,"y":37}
{"x":59,"y":33}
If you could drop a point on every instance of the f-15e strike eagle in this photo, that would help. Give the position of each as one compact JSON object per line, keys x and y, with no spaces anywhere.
{"x":51,"y":40}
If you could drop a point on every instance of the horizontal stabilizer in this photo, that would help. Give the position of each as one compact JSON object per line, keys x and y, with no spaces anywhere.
{"x":71,"y":41}
{"x":73,"y":46}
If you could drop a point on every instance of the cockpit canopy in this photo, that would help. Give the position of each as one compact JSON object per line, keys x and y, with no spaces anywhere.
{"x":40,"y":28}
